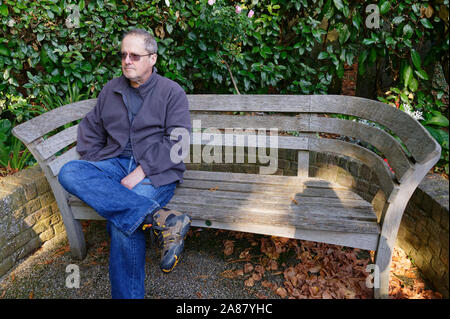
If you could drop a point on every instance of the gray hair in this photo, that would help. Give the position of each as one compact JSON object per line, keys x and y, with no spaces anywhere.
{"x":149,"y":42}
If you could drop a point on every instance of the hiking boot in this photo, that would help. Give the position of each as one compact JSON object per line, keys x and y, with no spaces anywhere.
{"x":170,"y":227}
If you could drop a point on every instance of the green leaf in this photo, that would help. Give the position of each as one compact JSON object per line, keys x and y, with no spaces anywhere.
{"x":322,"y":55}
{"x":407,"y":75}
{"x":338,"y":4}
{"x":373,"y":55}
{"x":422,"y":74}
{"x":407,"y":31}
{"x":344,"y":34}
{"x":426,"y":23}
{"x":415,"y":57}
{"x":385,"y":6}
{"x":4,"y":50}
{"x":440,"y":135}
{"x":368,"y":41}
{"x":202,"y":46}
{"x":390,"y":41}
{"x":4,"y":10}
{"x":413,"y":84}
{"x":437,"y":119}
{"x":192,"y":36}
{"x":398,"y":20}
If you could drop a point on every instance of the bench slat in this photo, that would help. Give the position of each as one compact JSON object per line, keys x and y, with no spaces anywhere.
{"x":249,"y":140}
{"x":357,"y":240}
{"x":47,"y":122}
{"x":381,"y":140}
{"x":249,"y":103}
{"x":260,"y":179}
{"x":384,"y":175}
{"x":287,"y":206}
{"x":421,"y":144}
{"x":285,"y":123}
{"x":274,"y":198}
{"x":268,"y":189}
{"x":57,"y":142}
{"x":56,"y":164}
{"x":246,"y":215}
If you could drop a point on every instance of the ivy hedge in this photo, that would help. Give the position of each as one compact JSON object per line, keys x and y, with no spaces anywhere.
{"x":53,"y":52}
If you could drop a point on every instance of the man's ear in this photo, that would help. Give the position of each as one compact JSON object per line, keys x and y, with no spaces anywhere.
{"x":154,"y":58}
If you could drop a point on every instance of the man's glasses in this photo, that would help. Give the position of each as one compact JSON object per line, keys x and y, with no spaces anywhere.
{"x":133,"y":57}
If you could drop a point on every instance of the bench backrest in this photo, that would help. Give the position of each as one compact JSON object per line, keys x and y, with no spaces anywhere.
{"x":403,"y":141}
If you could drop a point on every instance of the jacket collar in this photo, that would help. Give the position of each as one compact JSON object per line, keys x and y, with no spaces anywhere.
{"x":143,"y":89}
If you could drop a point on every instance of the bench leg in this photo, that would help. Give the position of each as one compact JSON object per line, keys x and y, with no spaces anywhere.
{"x":383,"y":262}
{"x":76,"y":239}
{"x":73,"y":227}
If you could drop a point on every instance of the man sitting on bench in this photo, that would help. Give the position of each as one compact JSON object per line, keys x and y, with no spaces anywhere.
{"x":125,"y":172}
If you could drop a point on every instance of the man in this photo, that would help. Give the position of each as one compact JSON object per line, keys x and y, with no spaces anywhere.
{"x":125,"y":172}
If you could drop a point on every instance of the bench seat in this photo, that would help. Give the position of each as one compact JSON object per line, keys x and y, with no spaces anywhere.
{"x":288,"y":206}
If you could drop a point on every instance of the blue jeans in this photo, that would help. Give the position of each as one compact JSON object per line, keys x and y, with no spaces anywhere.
{"x":98,"y":185}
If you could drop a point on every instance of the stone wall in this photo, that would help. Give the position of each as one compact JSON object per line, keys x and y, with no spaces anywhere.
{"x":423,"y":234}
{"x":29,"y":216}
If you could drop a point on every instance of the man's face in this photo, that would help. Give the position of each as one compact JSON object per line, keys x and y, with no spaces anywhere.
{"x":136,"y":71}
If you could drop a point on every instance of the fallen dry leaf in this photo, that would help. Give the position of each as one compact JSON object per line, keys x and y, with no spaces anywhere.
{"x":249,"y":282}
{"x":248,"y":267}
{"x":228,"y":274}
{"x":229,"y":247}
{"x":294,"y":201}
{"x":256,"y":276}
{"x":281,"y":292}
{"x":239,"y":272}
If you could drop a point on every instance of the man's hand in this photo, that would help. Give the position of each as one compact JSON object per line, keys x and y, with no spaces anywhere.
{"x":134,"y":178}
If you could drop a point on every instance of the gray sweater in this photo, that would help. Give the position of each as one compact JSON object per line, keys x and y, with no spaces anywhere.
{"x":106,"y":129}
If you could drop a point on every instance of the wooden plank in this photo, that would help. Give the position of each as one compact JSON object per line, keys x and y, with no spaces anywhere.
{"x":56,"y":164}
{"x":215,"y":138}
{"x":362,"y":154}
{"x":285,"y":197}
{"x":303,"y":164}
{"x":218,"y":121}
{"x":248,"y":215}
{"x":269,"y":189}
{"x":83,"y":211}
{"x":261,"y":179}
{"x":285,"y":207}
{"x":249,"y":103}
{"x":362,"y":241}
{"x":417,"y":139}
{"x":381,"y":140}
{"x":57,"y":142}
{"x":47,"y":122}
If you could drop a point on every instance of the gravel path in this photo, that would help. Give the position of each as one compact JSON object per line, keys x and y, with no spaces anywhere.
{"x":198,"y":275}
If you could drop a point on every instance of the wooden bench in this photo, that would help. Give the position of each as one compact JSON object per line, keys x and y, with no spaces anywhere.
{"x":323,"y":211}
